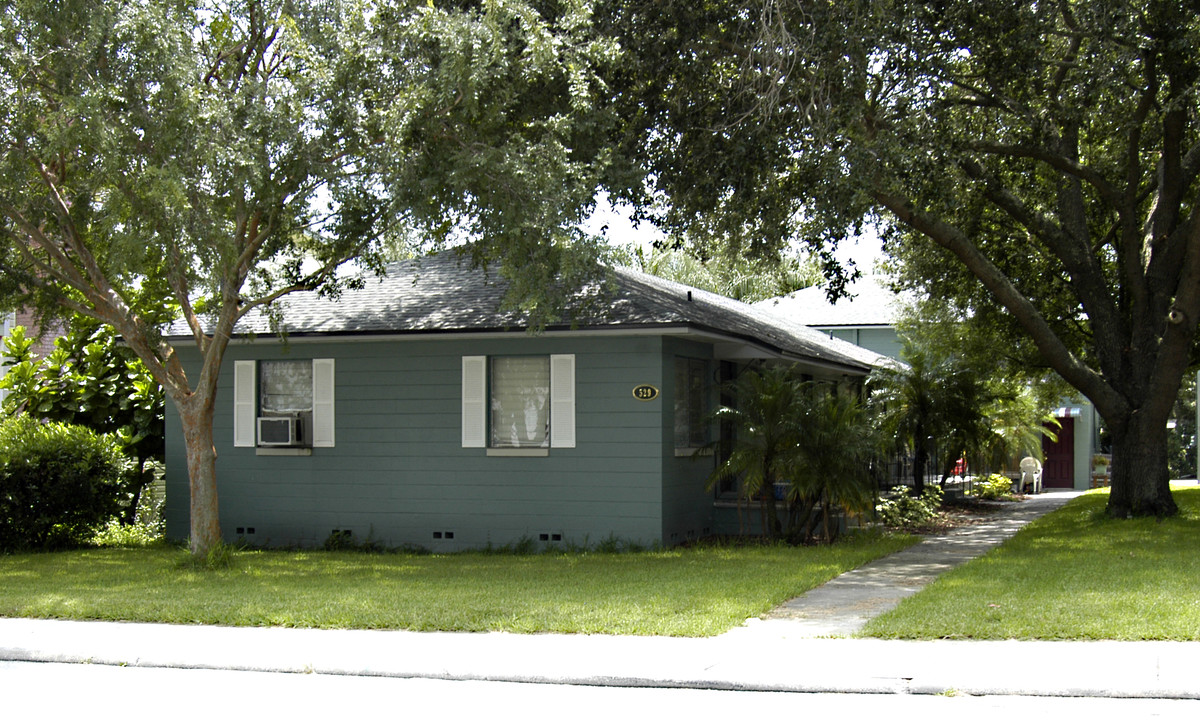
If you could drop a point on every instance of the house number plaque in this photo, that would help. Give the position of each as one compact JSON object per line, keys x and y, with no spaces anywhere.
{"x":645,"y":392}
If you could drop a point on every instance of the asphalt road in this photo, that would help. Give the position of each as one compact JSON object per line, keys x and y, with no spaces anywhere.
{"x":53,"y":690}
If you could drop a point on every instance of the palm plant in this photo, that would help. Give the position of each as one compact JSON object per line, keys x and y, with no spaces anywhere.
{"x":903,"y":399}
{"x":834,"y":457}
{"x":807,"y":437}
{"x":965,"y":424}
{"x":766,"y":425}
{"x":1018,"y":424}
{"x":929,"y":397}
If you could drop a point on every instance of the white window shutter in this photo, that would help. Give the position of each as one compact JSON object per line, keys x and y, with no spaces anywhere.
{"x":323,"y":382}
{"x":474,"y":401}
{"x":244,"y":405}
{"x":562,"y":401}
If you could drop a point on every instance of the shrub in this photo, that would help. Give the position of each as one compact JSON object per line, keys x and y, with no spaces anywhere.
{"x":904,"y":510}
{"x":116,"y":534}
{"x":58,"y":483}
{"x":993,"y":487}
{"x":147,"y":528}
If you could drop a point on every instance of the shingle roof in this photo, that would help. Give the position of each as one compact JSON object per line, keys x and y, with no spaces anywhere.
{"x":872,"y":304}
{"x":440,"y":294}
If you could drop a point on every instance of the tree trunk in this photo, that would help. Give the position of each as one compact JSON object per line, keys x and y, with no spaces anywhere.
{"x":1140,"y":477}
{"x":920,"y":463}
{"x":805,"y":524}
{"x":771,"y":525}
{"x":196,"y":417}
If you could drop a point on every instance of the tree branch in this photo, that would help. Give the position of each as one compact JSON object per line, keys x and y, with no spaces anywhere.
{"x":1072,"y":55}
{"x":1190,"y":165}
{"x":96,"y":285}
{"x":1082,"y":265}
{"x":1108,"y":192}
{"x":1129,"y":244}
{"x":120,"y":317}
{"x":1057,"y":354}
{"x":1166,"y":247}
{"x":176,"y":277}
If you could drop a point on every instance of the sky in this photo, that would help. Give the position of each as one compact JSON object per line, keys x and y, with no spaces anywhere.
{"x":620,"y":230}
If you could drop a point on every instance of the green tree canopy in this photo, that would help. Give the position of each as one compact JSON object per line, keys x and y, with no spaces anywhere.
{"x":216,"y":155}
{"x":1036,"y":161}
{"x":1008,"y":411}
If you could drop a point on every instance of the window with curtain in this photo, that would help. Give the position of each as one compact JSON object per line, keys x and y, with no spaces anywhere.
{"x":520,"y":402}
{"x":286,"y":386}
{"x":266,"y":391}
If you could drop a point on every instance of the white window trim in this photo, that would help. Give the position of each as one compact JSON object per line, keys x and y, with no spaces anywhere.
{"x":245,"y":403}
{"x":518,"y":452}
{"x":475,"y":404}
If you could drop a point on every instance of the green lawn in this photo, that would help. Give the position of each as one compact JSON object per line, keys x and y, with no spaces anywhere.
{"x":691,"y":592}
{"x":1073,"y":574}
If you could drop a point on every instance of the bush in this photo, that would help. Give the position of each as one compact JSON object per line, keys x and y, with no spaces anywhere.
{"x":993,"y":487}
{"x":58,"y":483}
{"x":904,"y":510}
{"x":114,"y":533}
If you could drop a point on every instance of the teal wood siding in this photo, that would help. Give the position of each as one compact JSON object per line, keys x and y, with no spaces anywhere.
{"x":687,"y":503}
{"x":850,"y":335}
{"x":398,"y":473}
{"x":882,"y":339}
{"x":176,"y":506}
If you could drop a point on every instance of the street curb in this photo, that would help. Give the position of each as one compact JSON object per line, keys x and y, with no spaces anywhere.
{"x":1145,"y":670}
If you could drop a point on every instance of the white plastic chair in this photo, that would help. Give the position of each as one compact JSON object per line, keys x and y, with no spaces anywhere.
{"x":1031,"y":474}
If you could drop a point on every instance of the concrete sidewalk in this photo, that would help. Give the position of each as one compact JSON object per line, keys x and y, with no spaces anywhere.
{"x":778,"y":653}
{"x":843,"y":605}
{"x":733,"y":661}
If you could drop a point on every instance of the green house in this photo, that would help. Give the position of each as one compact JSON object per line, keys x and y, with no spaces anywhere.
{"x":414,"y":412}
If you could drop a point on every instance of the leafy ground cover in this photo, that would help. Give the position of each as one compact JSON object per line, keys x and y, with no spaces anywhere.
{"x":1073,"y":574}
{"x":697,"y":591}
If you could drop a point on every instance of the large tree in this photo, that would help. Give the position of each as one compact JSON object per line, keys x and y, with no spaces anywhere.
{"x":219,"y":154}
{"x":1041,"y":156}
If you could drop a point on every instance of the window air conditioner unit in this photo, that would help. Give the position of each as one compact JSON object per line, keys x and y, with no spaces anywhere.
{"x":279,"y":430}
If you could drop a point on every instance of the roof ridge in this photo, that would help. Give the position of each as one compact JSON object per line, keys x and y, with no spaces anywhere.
{"x":444,"y":292}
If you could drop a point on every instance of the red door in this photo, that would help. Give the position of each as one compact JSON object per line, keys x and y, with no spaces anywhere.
{"x":1058,"y":469}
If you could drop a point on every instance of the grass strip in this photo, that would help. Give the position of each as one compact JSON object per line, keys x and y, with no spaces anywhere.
{"x":699,"y":591}
{"x":1074,"y":574}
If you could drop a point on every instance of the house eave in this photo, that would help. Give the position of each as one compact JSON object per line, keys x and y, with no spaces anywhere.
{"x":726,"y":346}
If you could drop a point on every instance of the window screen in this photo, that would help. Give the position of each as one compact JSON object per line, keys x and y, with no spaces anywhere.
{"x":691,"y":408}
